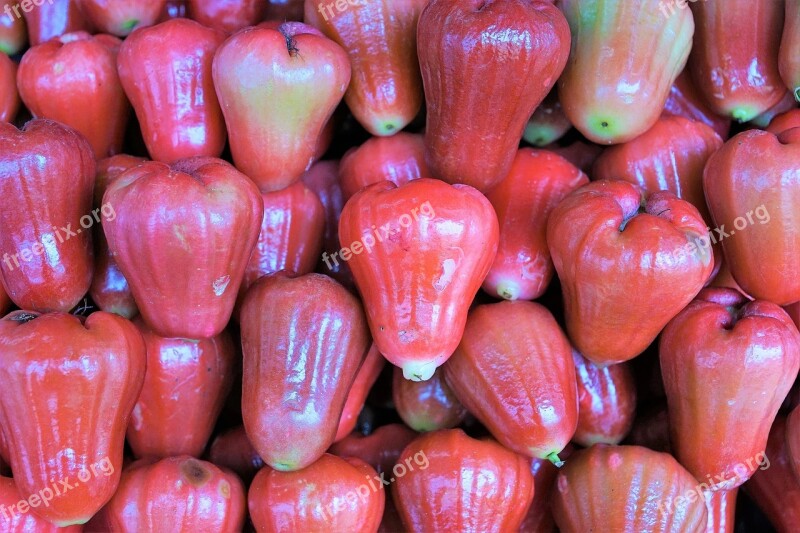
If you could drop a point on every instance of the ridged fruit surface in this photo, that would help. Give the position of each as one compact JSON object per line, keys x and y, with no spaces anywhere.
{"x":426,"y":405}
{"x":365,"y":378}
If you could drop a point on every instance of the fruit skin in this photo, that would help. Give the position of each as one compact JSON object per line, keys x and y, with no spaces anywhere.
{"x":606,"y":402}
{"x":332,"y":494}
{"x":176,"y":102}
{"x":228,"y":16}
{"x":686,"y":101}
{"x":380,"y":449}
{"x":426,"y":405}
{"x":283,"y":10}
{"x":51,"y":19}
{"x":399,"y":159}
{"x":121,"y":17}
{"x":485,"y":65}
{"x":278,"y":88}
{"x":539,"y":517}
{"x":607,"y":234}
{"x":304,"y":339}
{"x":428,"y":247}
{"x":379,"y":36}
{"x":775,"y":488}
{"x":9,"y":97}
{"x":784,"y":121}
{"x":13,"y":34}
{"x":785,"y":104}
{"x":177,"y":494}
{"x":461,"y":484}
{"x":735,"y":56}
{"x":548,"y":122}
{"x":46,"y":179}
{"x":750,"y":351}
{"x":523,"y":201}
{"x":233,"y":450}
{"x":721,"y":508}
{"x":110,"y":290}
{"x":73,"y":79}
{"x":793,"y":440}
{"x":624,"y":59}
{"x":670,"y":156}
{"x":754,"y":173}
{"x":514,"y":372}
{"x":789,"y":52}
{"x":201,"y":215}
{"x":59,"y":373}
{"x":14,"y":521}
{"x":631,"y":489}
{"x":185,"y":387}
{"x":365,"y":378}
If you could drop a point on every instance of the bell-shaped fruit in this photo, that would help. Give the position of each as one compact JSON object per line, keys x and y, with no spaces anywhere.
{"x":304,"y":339}
{"x":121,"y":17}
{"x":514,"y":371}
{"x":177,"y":494}
{"x":68,"y":390}
{"x":687,"y":102}
{"x":233,"y":450}
{"x":380,"y":449}
{"x":630,"y":488}
{"x":46,"y":179}
{"x":452,"y":482}
{"x":426,"y":405}
{"x":16,"y":515}
{"x":789,"y":54}
{"x":385,"y":93}
{"x":538,"y":181}
{"x":365,"y":378}
{"x":418,"y":253}
{"x":735,"y":55}
{"x":53,"y":18}
{"x":486,"y":65}
{"x":13,"y":34}
{"x":332,"y":494}
{"x":9,"y":97}
{"x":750,"y":351}
{"x":278,"y":88}
{"x":608,"y":242}
{"x":175,"y":100}
{"x":226,"y":15}
{"x":182,"y":237}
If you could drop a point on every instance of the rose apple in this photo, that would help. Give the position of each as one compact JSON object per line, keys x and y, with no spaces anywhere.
{"x":278,"y":88}
{"x":721,"y":508}
{"x":418,"y":254}
{"x":486,"y":65}
{"x":226,"y":15}
{"x":735,"y":55}
{"x":365,"y":378}
{"x":539,"y":518}
{"x":426,"y":405}
{"x":785,"y":104}
{"x":13,"y":520}
{"x":13,"y":33}
{"x":380,"y":449}
{"x":548,"y":122}
{"x":784,"y":121}
{"x":750,"y":352}
{"x":608,"y":242}
{"x":687,"y":102}
{"x":538,"y":181}
{"x":176,"y":103}
{"x":52,"y":18}
{"x":73,"y":79}
{"x":9,"y":96}
{"x":789,"y":52}
{"x":121,"y":17}
{"x":579,"y":153}
{"x":233,"y":450}
{"x":68,"y":390}
{"x":182,"y":237}
{"x":304,"y":339}
{"x":640,"y":54}
{"x":385,"y":93}
{"x":46,"y":179}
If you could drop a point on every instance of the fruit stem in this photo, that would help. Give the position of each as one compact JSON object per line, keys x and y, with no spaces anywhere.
{"x":555,"y":459}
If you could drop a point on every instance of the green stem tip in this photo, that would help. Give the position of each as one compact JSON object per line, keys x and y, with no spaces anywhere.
{"x":555,"y":459}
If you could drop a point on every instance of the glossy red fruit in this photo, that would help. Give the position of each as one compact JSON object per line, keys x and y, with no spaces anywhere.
{"x":523,"y":201}
{"x":785,"y":104}
{"x":278,"y":88}
{"x":670,"y":156}
{"x":539,"y":518}
{"x":426,"y":405}
{"x":784,"y":121}
{"x":185,"y":386}
{"x":176,"y":103}
{"x":73,"y":79}
{"x":226,"y":15}
{"x":452,"y":482}
{"x":751,"y":352}
{"x":631,"y":489}
{"x":14,"y":520}
{"x":789,"y":52}
{"x":548,"y":122}
{"x":486,"y":65}
{"x":735,"y":55}
{"x":291,"y":234}
{"x":177,"y":494}
{"x":608,"y":241}
{"x":721,"y":508}
{"x":754,"y":174}
{"x":233,"y":450}
{"x":606,"y":402}
{"x":68,"y":390}
{"x":52,"y":19}
{"x":304,"y":339}
{"x":9,"y":97}
{"x":13,"y":33}
{"x":365,"y":378}
{"x":399,"y":159}
{"x":380,"y":449}
{"x":793,"y":440}
{"x":201,"y":215}
{"x":110,"y":290}
{"x":332,"y":494}
{"x":617,"y":82}
{"x":775,"y":488}
{"x":686,"y":101}
{"x":418,"y":253}
{"x":385,"y":93}
{"x":121,"y":17}
{"x":46,"y":179}
{"x":514,"y":372}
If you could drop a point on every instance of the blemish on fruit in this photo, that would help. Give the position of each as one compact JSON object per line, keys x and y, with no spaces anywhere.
{"x":195,"y":473}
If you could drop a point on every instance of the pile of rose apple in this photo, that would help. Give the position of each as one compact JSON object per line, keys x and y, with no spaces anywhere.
{"x":171,"y":302}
